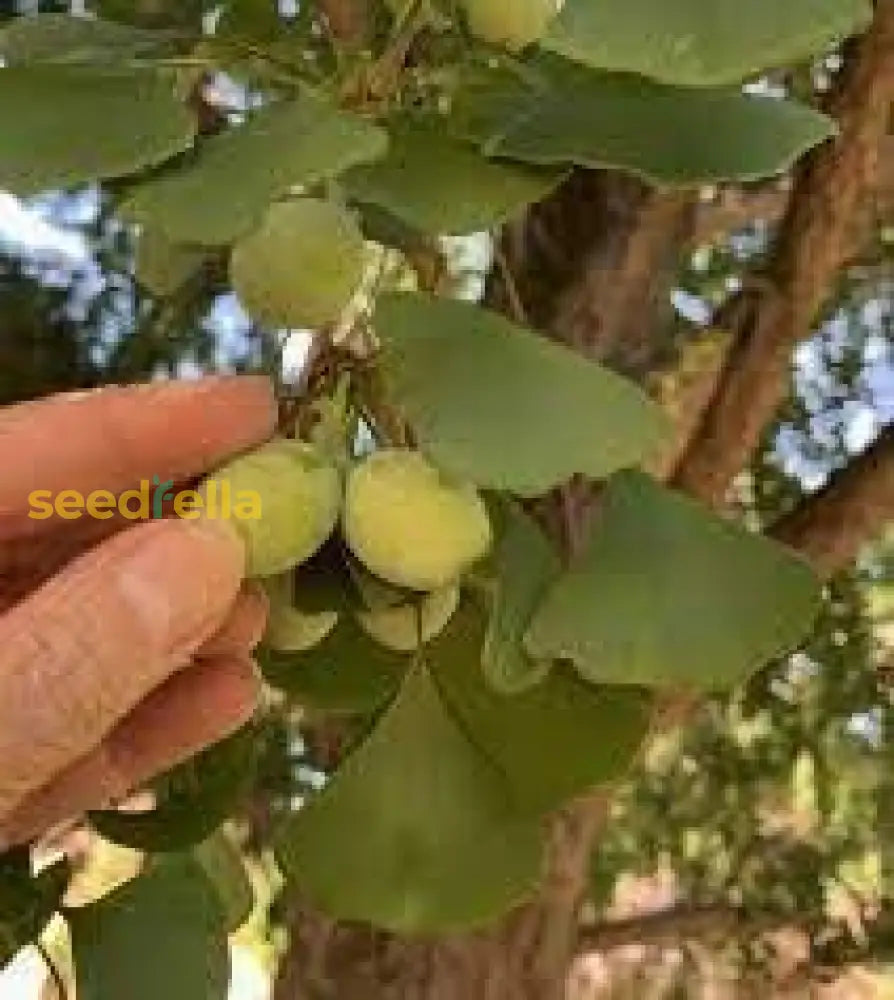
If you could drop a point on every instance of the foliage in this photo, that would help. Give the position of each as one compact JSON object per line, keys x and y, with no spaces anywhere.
{"x":448,"y":756}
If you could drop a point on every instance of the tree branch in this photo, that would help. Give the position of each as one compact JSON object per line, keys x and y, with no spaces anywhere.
{"x":668,"y":927}
{"x":831,"y":527}
{"x":822,"y":230}
{"x":348,"y":20}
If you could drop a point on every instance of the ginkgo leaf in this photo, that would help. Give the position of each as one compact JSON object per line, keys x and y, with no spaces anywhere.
{"x":442,"y":186}
{"x":226,"y":189}
{"x":669,"y":594}
{"x":523,"y":564}
{"x":161,"y":935}
{"x":701,"y":41}
{"x":665,"y":134}
{"x":63,"y":38}
{"x":61,"y":126}
{"x":193,"y":799}
{"x":162,"y":267}
{"x":497,"y":404}
{"x":552,"y":742}
{"x":415,"y":832}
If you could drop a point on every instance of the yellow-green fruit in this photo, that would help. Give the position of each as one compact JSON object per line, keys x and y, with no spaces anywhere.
{"x":284,"y":500}
{"x":302,"y":267}
{"x":289,"y":629}
{"x":410,"y":524}
{"x":292,"y":631}
{"x":401,"y":627}
{"x":513,"y":24}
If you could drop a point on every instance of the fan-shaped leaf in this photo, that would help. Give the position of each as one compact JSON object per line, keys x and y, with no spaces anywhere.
{"x":226,"y":190}
{"x":61,"y":126}
{"x":669,"y":594}
{"x":701,"y":41}
{"x":668,"y":135}
{"x":161,"y":935}
{"x":442,"y":186}
{"x":497,"y":404}
{"x":415,"y":832}
{"x":552,"y":742}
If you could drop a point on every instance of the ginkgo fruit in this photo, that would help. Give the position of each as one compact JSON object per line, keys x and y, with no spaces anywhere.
{"x":291,"y":629}
{"x":292,"y":496}
{"x":302,"y":267}
{"x":412,"y":525}
{"x":405,"y":627}
{"x":513,"y":24}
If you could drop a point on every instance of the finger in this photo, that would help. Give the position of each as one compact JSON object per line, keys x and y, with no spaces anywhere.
{"x":113,"y":438}
{"x":192,"y":710}
{"x":81,"y":652}
{"x":27,"y":562}
{"x":244,"y":627}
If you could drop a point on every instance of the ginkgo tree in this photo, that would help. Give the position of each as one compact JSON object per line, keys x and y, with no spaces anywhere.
{"x":484,"y":673}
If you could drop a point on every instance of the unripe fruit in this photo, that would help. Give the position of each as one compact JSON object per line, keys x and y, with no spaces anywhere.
{"x":302,"y":267}
{"x":513,"y":24}
{"x":400,"y":628}
{"x":410,"y":524}
{"x":300,"y":498}
{"x":290,"y":629}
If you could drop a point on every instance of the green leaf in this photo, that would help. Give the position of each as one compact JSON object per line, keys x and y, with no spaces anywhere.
{"x":27,"y":902}
{"x":193,"y":800}
{"x":61,"y":126}
{"x":415,"y":832}
{"x":161,"y":935}
{"x":184,"y":15}
{"x":668,"y":135}
{"x":701,"y":41}
{"x":61,"y":38}
{"x":552,"y":742}
{"x":255,"y":19}
{"x":347,"y":673}
{"x":223,"y":867}
{"x":503,"y":407}
{"x":440,"y":185}
{"x":669,"y":594}
{"x":226,"y":190}
{"x":162,"y":267}
{"x":524,"y":564}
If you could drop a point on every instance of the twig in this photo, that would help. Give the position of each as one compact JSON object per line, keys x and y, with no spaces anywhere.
{"x":680,"y":924}
{"x":831,"y":526}
{"x":516,"y":305}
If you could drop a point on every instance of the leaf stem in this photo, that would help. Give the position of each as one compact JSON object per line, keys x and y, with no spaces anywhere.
{"x":53,"y":969}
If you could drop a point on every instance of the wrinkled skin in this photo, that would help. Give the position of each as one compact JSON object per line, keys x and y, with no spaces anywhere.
{"x":411,"y":525}
{"x":124,"y":645}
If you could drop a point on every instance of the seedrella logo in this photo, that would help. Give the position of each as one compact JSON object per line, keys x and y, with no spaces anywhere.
{"x":151,"y":500}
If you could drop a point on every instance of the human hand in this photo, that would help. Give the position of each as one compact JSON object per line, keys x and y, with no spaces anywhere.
{"x":99,"y":619}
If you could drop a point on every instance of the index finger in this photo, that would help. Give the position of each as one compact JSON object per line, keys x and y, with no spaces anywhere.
{"x":112,"y":438}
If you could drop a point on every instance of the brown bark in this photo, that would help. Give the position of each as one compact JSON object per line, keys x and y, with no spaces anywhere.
{"x":831,"y":527}
{"x":669,"y":927}
{"x":823,"y":230}
{"x":347,"y":20}
{"x":594,"y":267}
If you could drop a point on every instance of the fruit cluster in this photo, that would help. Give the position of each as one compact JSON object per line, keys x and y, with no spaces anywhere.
{"x":410,"y":530}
